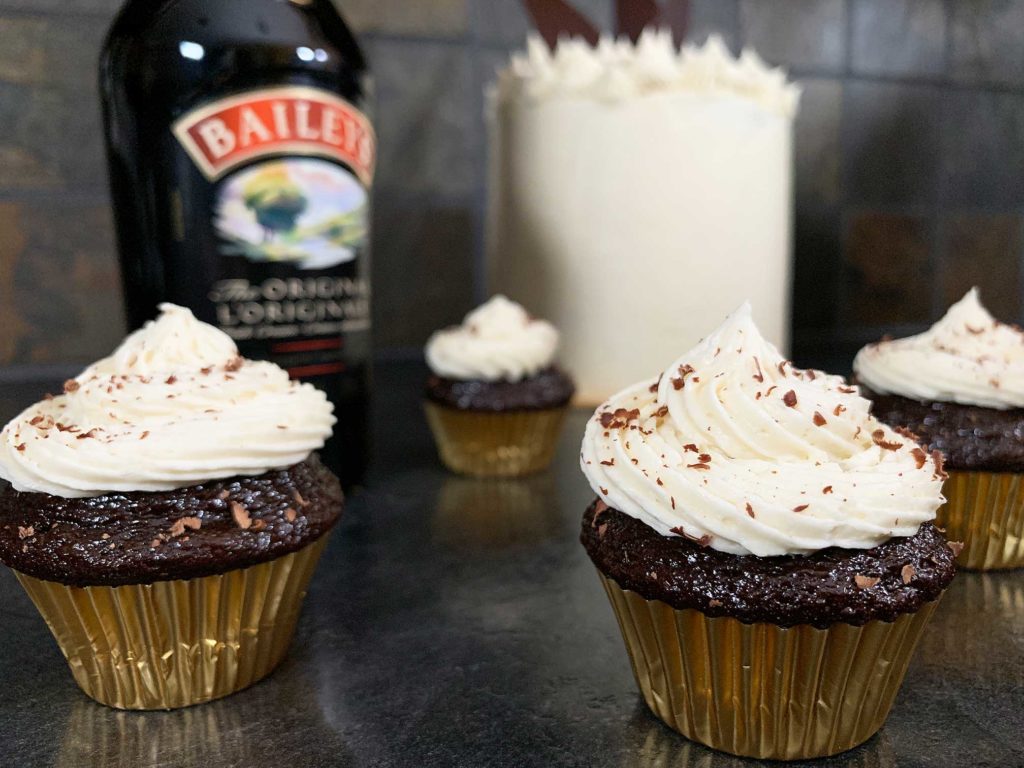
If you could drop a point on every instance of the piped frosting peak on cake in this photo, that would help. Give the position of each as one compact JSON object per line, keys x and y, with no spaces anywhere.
{"x":618,"y":69}
{"x":736,"y":449}
{"x":175,"y":405}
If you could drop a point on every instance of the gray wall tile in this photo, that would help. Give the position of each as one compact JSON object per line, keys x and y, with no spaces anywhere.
{"x":817,"y":270}
{"x":50,"y":138}
{"x":425,"y":117}
{"x":817,"y":149}
{"x":891,"y":142}
{"x":984,"y":154}
{"x":505,"y":23}
{"x":422,"y":268}
{"x":985,"y":42}
{"x":807,"y":34}
{"x":50,"y":134}
{"x":715,"y":17}
{"x":898,"y":37}
{"x":105,"y":8}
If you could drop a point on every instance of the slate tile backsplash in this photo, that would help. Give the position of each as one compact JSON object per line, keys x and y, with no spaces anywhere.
{"x":909,"y":169}
{"x":898,"y":37}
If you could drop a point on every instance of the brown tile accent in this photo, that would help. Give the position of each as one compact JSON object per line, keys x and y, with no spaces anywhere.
{"x":889,"y":276}
{"x":60,"y":294}
{"x":983,"y":250}
{"x":51,"y":49}
{"x":12,"y":246}
{"x":401,"y":17}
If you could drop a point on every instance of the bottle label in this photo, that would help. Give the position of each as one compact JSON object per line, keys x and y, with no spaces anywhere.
{"x":285,"y":173}
{"x":288,"y":120}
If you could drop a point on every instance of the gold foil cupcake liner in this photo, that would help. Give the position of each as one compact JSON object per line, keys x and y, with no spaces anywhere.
{"x":484,"y":444}
{"x":985,"y":510}
{"x":177,"y":643}
{"x":758,"y":690}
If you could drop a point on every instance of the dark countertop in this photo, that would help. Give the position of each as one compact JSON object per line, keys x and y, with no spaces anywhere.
{"x":456,"y":622}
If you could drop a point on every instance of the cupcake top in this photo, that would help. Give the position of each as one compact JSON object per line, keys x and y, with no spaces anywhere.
{"x":736,"y":449}
{"x":967,"y":357}
{"x":173,"y":406}
{"x":497,"y":341}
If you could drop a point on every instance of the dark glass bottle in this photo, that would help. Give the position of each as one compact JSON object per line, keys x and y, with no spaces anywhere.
{"x":241,"y":163}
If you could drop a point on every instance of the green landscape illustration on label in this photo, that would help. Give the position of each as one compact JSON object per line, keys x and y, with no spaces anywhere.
{"x":304,"y":211}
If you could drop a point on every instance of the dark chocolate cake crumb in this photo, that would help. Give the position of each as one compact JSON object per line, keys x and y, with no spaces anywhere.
{"x":550,"y":388}
{"x":969,"y":437}
{"x":834,"y":585}
{"x":140,"y":538}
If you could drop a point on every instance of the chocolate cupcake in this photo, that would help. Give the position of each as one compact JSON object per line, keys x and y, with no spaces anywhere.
{"x":495,"y":400}
{"x":166,"y":513}
{"x":959,"y":388}
{"x":766,"y":545}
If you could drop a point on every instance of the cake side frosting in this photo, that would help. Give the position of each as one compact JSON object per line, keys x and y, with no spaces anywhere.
{"x":618,"y":70}
{"x":175,"y":405}
{"x":967,"y":357}
{"x":735,"y":448}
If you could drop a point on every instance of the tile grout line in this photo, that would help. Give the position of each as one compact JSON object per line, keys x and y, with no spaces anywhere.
{"x":939,"y":219}
{"x":480,"y":192}
{"x":842,"y":273}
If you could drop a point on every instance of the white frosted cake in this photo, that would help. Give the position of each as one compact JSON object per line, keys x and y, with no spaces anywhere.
{"x":637,"y":190}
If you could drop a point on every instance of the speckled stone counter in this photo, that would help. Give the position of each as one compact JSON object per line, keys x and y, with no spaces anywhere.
{"x":458,"y":622}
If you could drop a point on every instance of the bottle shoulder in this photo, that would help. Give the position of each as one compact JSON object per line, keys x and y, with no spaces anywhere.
{"x":187,"y":48}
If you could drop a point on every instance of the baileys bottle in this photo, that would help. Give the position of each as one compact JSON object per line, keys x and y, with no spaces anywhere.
{"x":241,"y":162}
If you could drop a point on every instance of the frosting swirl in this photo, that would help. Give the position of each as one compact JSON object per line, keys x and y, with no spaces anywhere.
{"x":735,"y":448}
{"x":497,"y":340}
{"x":967,"y":357}
{"x":173,"y":406}
{"x":615,"y":70}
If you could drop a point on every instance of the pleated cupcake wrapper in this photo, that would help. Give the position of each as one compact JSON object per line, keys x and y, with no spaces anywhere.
{"x":177,"y":643}
{"x":758,"y":690}
{"x":985,"y":510}
{"x":485,"y":444}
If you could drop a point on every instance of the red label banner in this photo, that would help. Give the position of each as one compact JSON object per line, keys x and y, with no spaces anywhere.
{"x":290,"y":120}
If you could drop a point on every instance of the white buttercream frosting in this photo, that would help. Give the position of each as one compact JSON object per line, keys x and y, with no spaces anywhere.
{"x":734,"y":447}
{"x":616,"y":70}
{"x":967,"y":357}
{"x":173,"y":406}
{"x":496,"y":341}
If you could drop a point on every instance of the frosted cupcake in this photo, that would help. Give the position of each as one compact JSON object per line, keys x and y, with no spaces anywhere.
{"x":495,"y":400}
{"x":959,"y":387}
{"x":166,"y":513}
{"x":767,"y":547}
